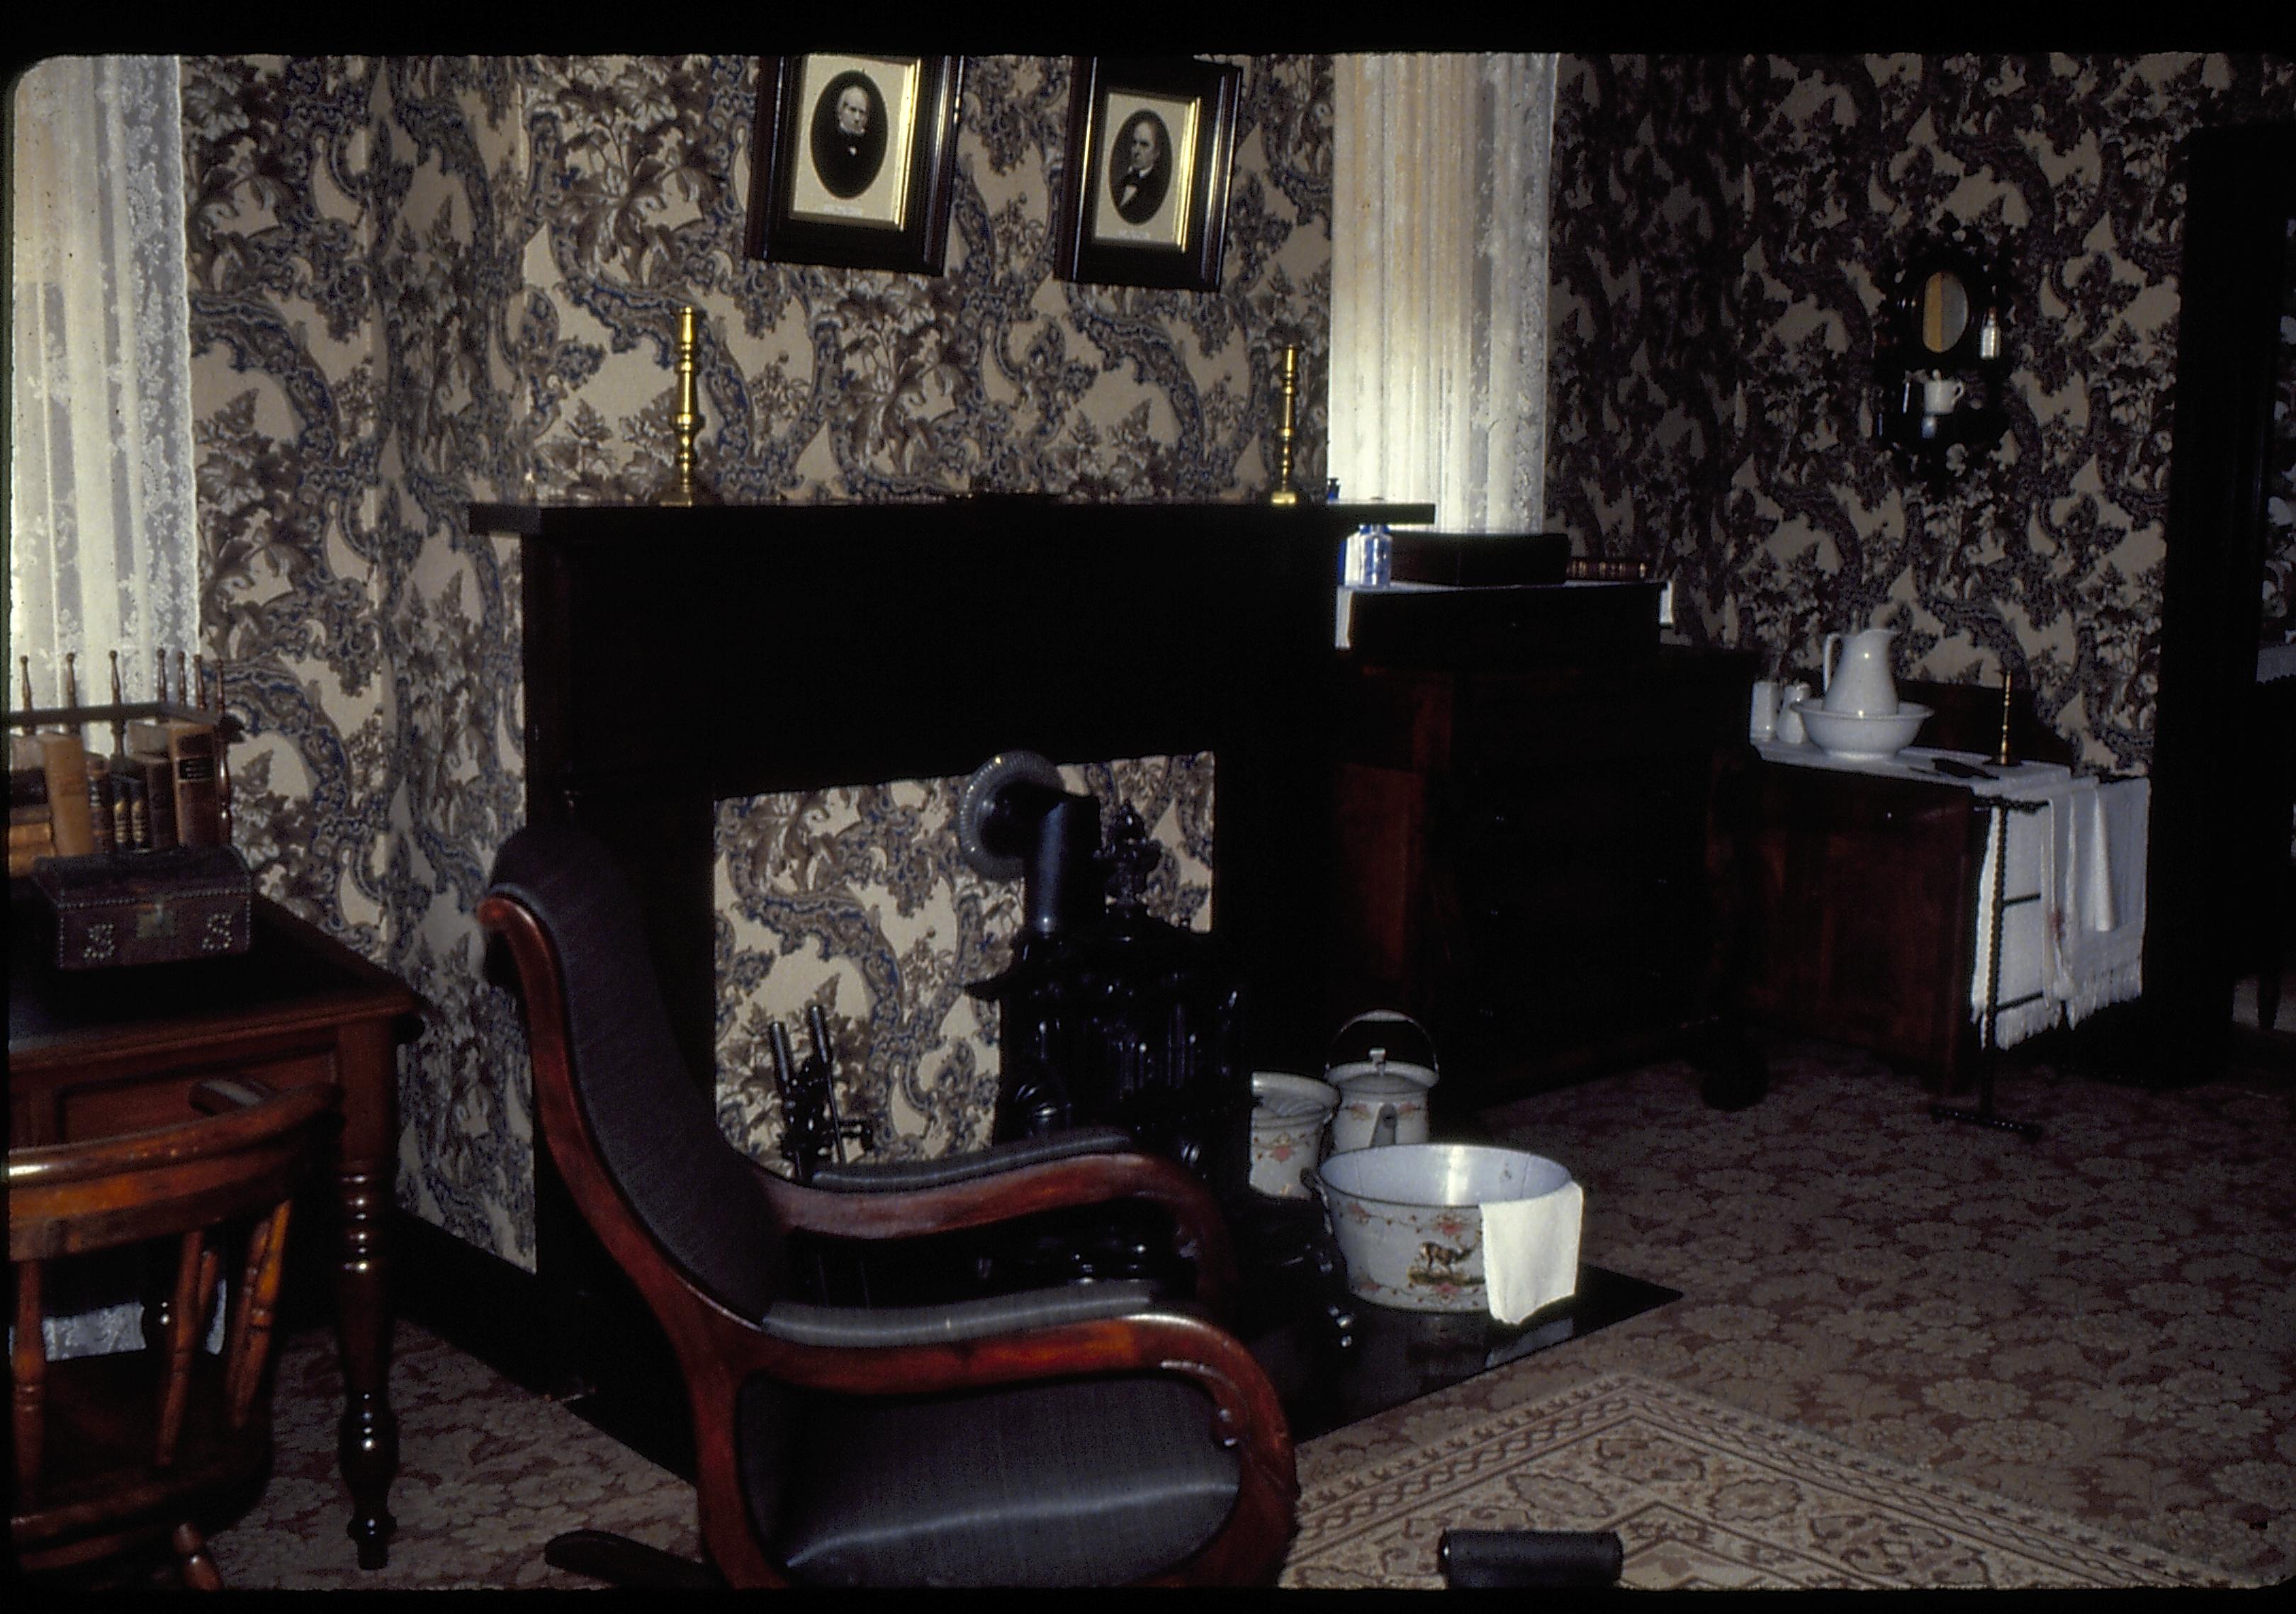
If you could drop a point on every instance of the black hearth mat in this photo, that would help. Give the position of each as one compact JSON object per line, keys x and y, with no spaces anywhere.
{"x":1400,"y":1356}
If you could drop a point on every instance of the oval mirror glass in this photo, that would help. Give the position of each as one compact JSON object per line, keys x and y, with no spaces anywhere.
{"x":1945,"y":311}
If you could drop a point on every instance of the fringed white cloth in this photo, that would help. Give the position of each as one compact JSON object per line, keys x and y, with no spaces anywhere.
{"x":2072,"y":928}
{"x":2100,"y":928}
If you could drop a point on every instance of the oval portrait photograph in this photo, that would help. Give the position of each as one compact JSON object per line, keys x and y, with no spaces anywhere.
{"x":848,"y":133}
{"x":1142,"y":171}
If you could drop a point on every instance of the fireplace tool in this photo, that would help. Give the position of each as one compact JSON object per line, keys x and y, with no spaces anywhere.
{"x":812,"y":1131}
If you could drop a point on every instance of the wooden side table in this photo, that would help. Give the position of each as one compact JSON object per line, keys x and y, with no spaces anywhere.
{"x":98,"y":1052}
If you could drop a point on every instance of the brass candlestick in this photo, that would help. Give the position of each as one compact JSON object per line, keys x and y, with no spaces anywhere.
{"x":2003,"y":755}
{"x":1287,"y":433}
{"x":685,"y":486}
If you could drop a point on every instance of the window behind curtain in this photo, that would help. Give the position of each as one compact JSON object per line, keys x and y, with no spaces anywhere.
{"x":103,"y":516}
{"x":1439,"y":284}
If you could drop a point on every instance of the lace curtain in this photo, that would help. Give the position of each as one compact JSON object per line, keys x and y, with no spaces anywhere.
{"x":103,"y":519}
{"x":1439,"y":284}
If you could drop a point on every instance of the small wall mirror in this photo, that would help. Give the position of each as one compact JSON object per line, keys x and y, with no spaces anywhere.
{"x":1940,"y":352}
{"x":1945,"y":311}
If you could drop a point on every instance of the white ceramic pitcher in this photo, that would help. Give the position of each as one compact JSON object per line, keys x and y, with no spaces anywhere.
{"x":1861,"y":686}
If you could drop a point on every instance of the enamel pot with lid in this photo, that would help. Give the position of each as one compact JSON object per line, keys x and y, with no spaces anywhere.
{"x":1383,"y":1065}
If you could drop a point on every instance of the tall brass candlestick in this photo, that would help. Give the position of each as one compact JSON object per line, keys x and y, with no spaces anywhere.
{"x":1287,"y":433}
{"x":684,"y":486}
{"x":2003,"y":754}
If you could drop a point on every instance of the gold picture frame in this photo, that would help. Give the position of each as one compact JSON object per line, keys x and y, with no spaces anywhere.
{"x":1151,"y":143}
{"x":851,"y":157}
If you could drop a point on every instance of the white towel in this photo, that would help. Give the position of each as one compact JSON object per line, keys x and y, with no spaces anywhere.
{"x":1530,"y":1251}
{"x":2028,"y":928}
{"x":2101,"y":843}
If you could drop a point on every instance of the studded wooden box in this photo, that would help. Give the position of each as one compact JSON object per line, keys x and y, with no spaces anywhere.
{"x":118,"y":908}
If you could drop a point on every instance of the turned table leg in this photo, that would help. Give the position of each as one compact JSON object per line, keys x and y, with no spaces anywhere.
{"x":369,"y":1433}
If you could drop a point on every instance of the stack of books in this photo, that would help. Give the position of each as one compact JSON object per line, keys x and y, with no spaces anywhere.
{"x":162,"y":786}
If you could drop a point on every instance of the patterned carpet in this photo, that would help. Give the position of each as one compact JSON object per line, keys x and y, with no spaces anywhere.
{"x":2101,"y":1322}
{"x":1704,"y":1496}
{"x":1909,"y":1355}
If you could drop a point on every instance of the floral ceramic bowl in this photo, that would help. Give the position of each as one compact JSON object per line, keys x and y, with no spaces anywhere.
{"x":1409,"y":1218}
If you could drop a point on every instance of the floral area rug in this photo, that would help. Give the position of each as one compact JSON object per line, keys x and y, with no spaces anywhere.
{"x":487,"y":1474}
{"x":2100,"y":1322}
{"x":1702,"y":1495}
{"x":2074,"y":1359}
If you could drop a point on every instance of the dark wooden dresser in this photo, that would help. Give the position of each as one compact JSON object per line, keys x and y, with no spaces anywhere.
{"x":1523,"y":787}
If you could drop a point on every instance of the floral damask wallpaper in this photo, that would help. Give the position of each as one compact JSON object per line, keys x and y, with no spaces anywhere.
{"x":1724,"y":229}
{"x":421,"y":281}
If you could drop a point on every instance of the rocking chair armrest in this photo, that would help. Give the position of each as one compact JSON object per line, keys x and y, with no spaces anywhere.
{"x":895,"y":1177}
{"x":853,"y":1327}
{"x":1160,"y":1338}
{"x":1199,"y":1235}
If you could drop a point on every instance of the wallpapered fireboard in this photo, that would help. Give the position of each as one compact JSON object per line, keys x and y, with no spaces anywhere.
{"x":418,"y":281}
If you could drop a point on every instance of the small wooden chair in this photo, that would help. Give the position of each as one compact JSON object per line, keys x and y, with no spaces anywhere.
{"x":122,"y":1451}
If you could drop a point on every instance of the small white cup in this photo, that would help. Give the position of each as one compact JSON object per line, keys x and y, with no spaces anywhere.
{"x":1941,"y":394}
{"x":1790,"y":728}
{"x":1762,"y":720}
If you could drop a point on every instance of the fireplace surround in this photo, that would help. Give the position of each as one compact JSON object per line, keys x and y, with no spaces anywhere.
{"x":677,"y":656}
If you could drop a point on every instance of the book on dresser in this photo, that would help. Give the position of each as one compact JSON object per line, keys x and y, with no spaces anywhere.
{"x":31,"y":832}
{"x":64,"y":760}
{"x":192,"y":755}
{"x":148,"y":761}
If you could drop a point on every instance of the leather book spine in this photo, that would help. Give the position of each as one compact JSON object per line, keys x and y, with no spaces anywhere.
{"x":199,"y":799}
{"x":99,"y":802}
{"x":64,"y":760}
{"x":158,"y":775}
{"x":131,"y":820}
{"x":30,"y":832}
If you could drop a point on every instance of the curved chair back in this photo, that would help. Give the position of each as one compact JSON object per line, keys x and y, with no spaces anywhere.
{"x":112,"y":1450}
{"x":592,"y":997}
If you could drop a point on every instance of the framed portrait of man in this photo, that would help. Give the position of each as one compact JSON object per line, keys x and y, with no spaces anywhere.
{"x":850,"y":160}
{"x":1151,"y":143}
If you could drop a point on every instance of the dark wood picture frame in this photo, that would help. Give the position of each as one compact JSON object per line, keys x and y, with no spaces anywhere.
{"x":1171,"y":230}
{"x":887,"y":207}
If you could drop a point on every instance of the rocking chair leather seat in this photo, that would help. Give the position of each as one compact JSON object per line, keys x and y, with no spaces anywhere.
{"x":942,"y":1492}
{"x":1093,"y":1433}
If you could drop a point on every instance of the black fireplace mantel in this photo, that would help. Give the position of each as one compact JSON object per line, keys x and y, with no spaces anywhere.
{"x":675,"y":656}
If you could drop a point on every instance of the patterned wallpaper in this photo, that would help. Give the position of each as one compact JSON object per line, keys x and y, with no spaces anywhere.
{"x":1724,"y":232}
{"x":419,"y":281}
